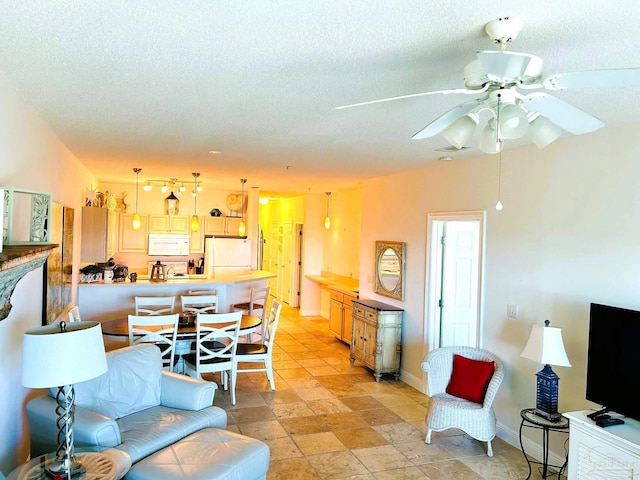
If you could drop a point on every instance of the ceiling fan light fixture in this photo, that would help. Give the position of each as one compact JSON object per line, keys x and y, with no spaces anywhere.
{"x":488,"y":139}
{"x":543,"y":131}
{"x":461,"y":130}
{"x":513,"y":121}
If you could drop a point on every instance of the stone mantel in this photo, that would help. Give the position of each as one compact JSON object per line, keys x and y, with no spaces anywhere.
{"x":15,"y":263}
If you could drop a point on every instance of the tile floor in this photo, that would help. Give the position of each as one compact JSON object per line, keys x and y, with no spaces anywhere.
{"x":329,"y":420}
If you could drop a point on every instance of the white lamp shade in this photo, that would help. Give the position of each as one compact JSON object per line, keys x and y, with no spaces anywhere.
{"x":460,"y":131}
{"x":543,"y":131}
{"x":52,"y":358}
{"x":513,"y":121}
{"x":545,"y":346}
{"x":489,"y":140}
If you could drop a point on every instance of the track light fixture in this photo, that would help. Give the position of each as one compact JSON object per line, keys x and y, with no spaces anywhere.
{"x":173,"y":183}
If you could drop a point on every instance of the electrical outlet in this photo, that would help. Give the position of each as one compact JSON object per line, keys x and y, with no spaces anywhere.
{"x":512,"y":310}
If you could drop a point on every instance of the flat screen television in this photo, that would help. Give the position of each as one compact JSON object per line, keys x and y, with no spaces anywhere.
{"x":613,"y":360}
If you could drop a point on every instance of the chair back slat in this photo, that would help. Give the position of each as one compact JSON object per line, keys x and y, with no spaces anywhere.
{"x":199,"y":303}
{"x":161,"y":330}
{"x":154,"y":305}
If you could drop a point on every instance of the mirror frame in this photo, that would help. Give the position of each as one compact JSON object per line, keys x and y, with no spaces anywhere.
{"x":399,"y":249}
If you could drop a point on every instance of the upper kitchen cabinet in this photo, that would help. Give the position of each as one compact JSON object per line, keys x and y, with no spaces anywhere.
{"x":130,"y":240}
{"x":99,"y":234}
{"x":169,"y":224}
{"x":218,"y":226}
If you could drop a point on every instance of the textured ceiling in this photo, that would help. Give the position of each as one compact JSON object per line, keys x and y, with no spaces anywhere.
{"x":158,"y":85}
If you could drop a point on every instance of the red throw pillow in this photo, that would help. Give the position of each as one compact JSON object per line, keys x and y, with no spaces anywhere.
{"x":470,"y":378}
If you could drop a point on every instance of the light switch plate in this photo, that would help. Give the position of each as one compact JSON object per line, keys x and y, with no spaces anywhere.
{"x":512,"y":310}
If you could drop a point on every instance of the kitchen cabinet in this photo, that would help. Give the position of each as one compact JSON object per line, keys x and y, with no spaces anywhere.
{"x":169,"y":224}
{"x":130,"y":240}
{"x":221,"y":226}
{"x":341,"y":314}
{"x":99,"y":234}
{"x":196,"y":239}
{"x":376,"y":338}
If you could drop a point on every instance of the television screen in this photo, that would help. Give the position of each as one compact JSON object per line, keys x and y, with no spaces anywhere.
{"x":613,"y":360}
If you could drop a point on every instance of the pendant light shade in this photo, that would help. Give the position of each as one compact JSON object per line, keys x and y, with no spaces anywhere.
{"x":242,"y":228}
{"x":327,"y":219}
{"x":195,"y":222}
{"x":135,"y":224}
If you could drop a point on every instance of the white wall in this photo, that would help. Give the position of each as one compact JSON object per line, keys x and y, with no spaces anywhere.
{"x":31,"y":157}
{"x":568,"y":236}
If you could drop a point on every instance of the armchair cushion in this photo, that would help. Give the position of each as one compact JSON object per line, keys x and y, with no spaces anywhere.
{"x":470,"y":378}
{"x":131,"y":384}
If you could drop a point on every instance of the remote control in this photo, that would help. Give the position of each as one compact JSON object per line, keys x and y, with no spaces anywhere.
{"x":601,"y":417}
{"x":607,"y":422}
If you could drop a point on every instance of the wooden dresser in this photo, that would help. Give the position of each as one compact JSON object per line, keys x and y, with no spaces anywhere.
{"x":376,"y":336}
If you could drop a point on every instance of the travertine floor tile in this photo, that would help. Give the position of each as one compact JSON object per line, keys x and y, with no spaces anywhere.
{"x":316,"y":443}
{"x":283,"y":447}
{"x":379,"y":416}
{"x":304,"y":425}
{"x":337,"y":465}
{"x":328,"y":405}
{"x":360,"y":438}
{"x":399,"y":432}
{"x":364,"y":402}
{"x":377,"y":459}
{"x":263,"y":430}
{"x":290,"y":410}
{"x":292,"y":469}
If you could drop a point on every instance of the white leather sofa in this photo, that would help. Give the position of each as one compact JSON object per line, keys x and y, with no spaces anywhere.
{"x":144,"y":411}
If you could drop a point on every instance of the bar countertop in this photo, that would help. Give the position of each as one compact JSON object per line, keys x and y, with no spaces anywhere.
{"x":226,"y":279}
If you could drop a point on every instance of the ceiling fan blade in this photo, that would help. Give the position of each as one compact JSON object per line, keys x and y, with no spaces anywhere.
{"x":561,"y":113}
{"x":507,"y":67}
{"x":413,"y":95}
{"x":623,"y":77}
{"x":443,"y":121}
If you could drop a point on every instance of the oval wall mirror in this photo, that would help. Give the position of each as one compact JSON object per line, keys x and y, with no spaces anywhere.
{"x":389,"y":269}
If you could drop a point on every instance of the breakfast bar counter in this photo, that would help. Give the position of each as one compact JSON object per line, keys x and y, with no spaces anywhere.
{"x":106,"y":301}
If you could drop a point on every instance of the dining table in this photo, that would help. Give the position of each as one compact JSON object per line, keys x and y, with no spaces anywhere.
{"x":120,"y":327}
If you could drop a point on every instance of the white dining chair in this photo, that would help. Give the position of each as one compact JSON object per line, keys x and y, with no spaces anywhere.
{"x":161,"y":330}
{"x":199,"y":303}
{"x":216,"y":343}
{"x":154,"y":305}
{"x":252,"y":353}
{"x":255,"y":306}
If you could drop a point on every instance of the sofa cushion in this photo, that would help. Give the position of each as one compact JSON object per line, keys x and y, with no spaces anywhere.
{"x":131,"y":384}
{"x":150,"y":430}
{"x":470,"y":378}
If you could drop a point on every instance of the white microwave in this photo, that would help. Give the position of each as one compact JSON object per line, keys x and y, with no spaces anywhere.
{"x":168,"y":244}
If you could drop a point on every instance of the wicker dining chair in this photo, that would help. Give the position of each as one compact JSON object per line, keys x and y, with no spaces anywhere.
{"x":446,"y":411}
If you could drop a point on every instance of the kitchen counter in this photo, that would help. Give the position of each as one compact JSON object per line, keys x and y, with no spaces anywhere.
{"x":337,"y":282}
{"x":197,"y":279}
{"x":105,"y":301}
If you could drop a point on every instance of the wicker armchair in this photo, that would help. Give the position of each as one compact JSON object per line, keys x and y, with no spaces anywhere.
{"x":447,"y":411}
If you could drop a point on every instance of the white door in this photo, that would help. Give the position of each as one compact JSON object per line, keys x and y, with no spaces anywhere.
{"x":454,"y":279}
{"x":286,"y":269}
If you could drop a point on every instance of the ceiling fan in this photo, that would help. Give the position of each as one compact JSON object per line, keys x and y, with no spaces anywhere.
{"x":510,"y":86}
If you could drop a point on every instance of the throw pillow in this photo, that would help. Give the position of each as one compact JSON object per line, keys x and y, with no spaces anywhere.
{"x":470,"y":378}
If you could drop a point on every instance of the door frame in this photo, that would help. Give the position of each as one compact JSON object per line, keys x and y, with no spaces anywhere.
{"x":431,"y":329}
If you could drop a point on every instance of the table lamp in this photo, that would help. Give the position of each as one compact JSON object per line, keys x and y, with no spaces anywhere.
{"x":545,"y":346}
{"x":60,"y":355}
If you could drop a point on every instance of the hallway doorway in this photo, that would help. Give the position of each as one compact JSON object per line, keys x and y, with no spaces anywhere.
{"x":455,"y":247}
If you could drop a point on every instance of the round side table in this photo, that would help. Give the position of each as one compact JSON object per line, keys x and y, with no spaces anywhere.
{"x":99,"y":466}
{"x":531,"y":420}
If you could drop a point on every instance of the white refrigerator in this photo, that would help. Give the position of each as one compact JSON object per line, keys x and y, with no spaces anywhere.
{"x":223,"y":256}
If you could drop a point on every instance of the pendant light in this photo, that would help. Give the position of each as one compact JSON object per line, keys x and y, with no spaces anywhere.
{"x":195,"y":223}
{"x":242,"y":228}
{"x":135,"y":224}
{"x":327,"y":219}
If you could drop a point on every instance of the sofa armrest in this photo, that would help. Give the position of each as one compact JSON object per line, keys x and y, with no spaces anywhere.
{"x":89,"y":428}
{"x":186,"y":393}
